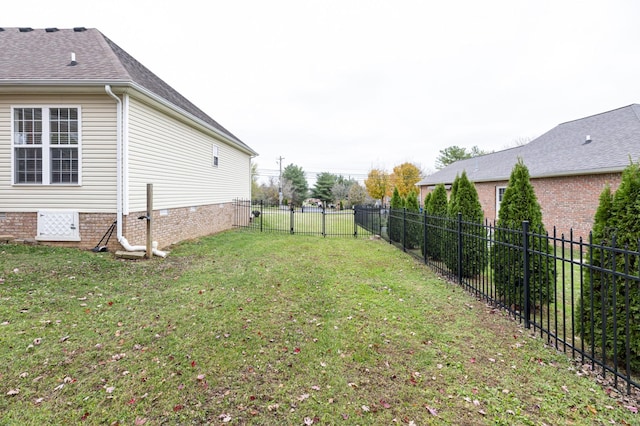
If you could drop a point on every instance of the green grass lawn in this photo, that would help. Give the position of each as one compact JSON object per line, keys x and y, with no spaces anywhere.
{"x":259,"y":328}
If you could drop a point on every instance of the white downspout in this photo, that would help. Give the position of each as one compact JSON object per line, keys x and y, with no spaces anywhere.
{"x":120,"y":182}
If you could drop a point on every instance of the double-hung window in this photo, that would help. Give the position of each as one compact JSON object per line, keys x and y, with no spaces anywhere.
{"x":499,"y":195}
{"x":46,"y":144}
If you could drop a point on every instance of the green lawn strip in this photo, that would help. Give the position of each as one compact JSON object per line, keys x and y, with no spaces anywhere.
{"x":246,"y":328}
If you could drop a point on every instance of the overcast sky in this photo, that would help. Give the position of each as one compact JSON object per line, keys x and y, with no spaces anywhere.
{"x":349,"y":85}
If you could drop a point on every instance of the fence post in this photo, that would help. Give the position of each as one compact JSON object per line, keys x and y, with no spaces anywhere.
{"x":525,"y":248}
{"x":324,"y":231}
{"x":424,"y":236}
{"x":355,"y":223}
{"x":261,"y":213}
{"x":404,"y":228}
{"x":291,"y":214}
{"x":460,"y":248}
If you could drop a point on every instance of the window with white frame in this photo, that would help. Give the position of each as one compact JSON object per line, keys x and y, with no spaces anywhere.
{"x":499,"y":195}
{"x":215,"y":155}
{"x":46,"y":144}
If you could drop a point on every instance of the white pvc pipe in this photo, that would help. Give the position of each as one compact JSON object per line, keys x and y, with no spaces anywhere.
{"x":119,"y":183}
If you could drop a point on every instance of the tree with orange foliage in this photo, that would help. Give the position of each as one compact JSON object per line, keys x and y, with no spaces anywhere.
{"x":405,"y":177}
{"x":378,"y":184}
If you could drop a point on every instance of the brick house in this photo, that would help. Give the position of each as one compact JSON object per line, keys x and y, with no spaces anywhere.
{"x":84,"y":127}
{"x":569,"y":165}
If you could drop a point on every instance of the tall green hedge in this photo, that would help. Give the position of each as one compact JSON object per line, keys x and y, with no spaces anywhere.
{"x":616,"y":222}
{"x":436,"y":212}
{"x":395,"y":223}
{"x":464,"y":199}
{"x":414,"y":221}
{"x":519,"y":203}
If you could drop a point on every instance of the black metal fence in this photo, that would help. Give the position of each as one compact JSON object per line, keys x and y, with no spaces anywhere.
{"x":583,"y":297}
{"x":308,"y":219}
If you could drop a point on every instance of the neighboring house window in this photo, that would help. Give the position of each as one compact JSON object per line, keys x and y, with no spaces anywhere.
{"x":499,"y":195}
{"x":215,"y":156}
{"x":45,"y":145}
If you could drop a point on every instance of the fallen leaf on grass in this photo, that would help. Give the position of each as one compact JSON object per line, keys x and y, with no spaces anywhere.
{"x":431,"y":411}
{"x":226,"y":418}
{"x":308,"y":421}
{"x":631,"y":408}
{"x":13,"y":392}
{"x":303,"y":397}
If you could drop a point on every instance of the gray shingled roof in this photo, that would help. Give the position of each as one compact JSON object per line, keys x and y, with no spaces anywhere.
{"x":562,"y":151}
{"x":40,"y":56}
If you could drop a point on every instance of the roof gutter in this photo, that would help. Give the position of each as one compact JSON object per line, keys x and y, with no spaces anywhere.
{"x":600,"y":171}
{"x":141,"y":89}
{"x":228,"y":138}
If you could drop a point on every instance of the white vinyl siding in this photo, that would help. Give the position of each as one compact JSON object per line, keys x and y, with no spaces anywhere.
{"x":177,"y":159}
{"x":97,"y":192}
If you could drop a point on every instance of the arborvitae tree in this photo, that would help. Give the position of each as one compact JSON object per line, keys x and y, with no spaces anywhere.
{"x":465,"y":200}
{"x":596,"y":282}
{"x":452,"y":205}
{"x":425,"y":205}
{"x":519,"y":203}
{"x":625,"y":215}
{"x":414,"y":221}
{"x":450,"y":249}
{"x":616,"y":223}
{"x":395,"y":216}
{"x":437,"y":212}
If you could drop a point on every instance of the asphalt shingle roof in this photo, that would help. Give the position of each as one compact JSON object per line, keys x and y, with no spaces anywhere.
{"x":562,"y":151}
{"x":44,"y":55}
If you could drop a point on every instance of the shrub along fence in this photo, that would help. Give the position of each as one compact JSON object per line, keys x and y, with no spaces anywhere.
{"x":583,"y":297}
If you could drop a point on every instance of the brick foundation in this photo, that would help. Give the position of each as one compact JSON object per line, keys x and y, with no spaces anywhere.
{"x":168,"y":227}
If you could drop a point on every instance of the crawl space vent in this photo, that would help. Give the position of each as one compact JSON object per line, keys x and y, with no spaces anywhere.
{"x":58,"y":225}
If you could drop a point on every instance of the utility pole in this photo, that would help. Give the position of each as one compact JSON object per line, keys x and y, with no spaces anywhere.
{"x":280,"y":181}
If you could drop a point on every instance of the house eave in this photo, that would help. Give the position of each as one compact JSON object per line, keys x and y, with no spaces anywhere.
{"x":119,"y":86}
{"x":570,"y":173}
